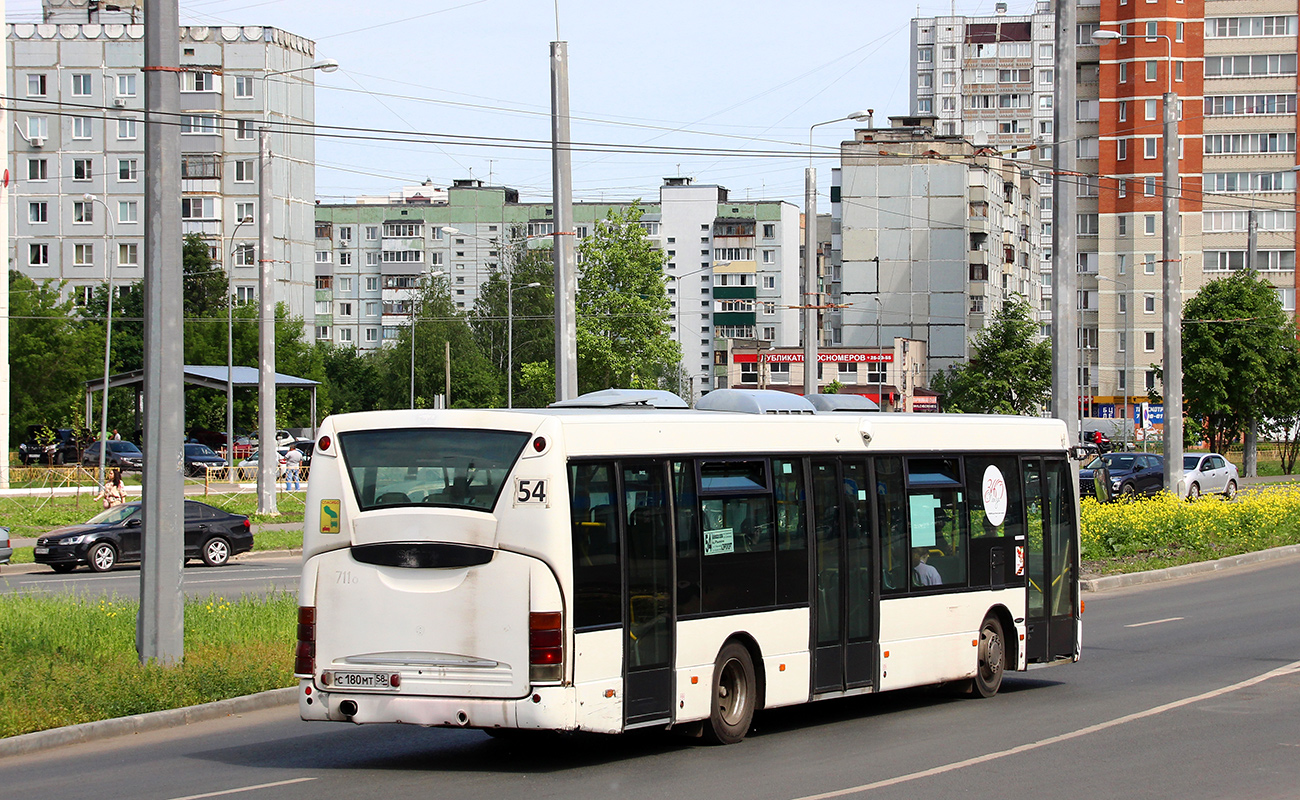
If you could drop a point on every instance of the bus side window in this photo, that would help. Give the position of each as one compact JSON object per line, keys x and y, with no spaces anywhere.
{"x":597,"y":576}
{"x":891,"y":517}
{"x":996,"y":507}
{"x":791,"y":532}
{"x":937,"y":511}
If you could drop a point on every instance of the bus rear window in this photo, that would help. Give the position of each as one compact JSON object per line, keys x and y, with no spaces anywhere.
{"x":430,"y":466}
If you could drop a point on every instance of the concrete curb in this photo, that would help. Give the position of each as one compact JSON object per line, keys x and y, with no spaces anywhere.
{"x":141,"y":723}
{"x":1187,"y":570}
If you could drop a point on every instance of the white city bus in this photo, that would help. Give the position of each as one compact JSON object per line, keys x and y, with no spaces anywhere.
{"x":618,"y":564}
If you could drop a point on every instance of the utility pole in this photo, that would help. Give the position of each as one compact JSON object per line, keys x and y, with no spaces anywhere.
{"x":268,"y":456}
{"x":1250,"y":451}
{"x":4,"y":296}
{"x":1065,"y":316}
{"x":159,"y":635}
{"x":810,"y":298}
{"x":566,"y":279}
{"x":1173,"y":293}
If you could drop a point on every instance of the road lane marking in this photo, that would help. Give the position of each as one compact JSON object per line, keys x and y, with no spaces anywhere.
{"x":1152,"y":622}
{"x":243,"y":789}
{"x":1293,"y":667}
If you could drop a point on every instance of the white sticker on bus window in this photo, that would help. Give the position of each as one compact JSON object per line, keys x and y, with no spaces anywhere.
{"x":995,"y":496}
{"x":532,"y":492}
{"x":923,"y":508}
{"x":787,"y":468}
{"x":718,"y":541}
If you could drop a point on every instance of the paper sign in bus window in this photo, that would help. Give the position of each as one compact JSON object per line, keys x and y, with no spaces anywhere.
{"x":719,"y":541}
{"x":923,"y":508}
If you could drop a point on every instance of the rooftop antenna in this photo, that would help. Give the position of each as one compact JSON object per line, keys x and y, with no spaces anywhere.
{"x":489,"y":172}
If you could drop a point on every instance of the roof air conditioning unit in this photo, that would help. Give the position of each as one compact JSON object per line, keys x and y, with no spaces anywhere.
{"x":37,"y":141}
{"x":120,"y":102}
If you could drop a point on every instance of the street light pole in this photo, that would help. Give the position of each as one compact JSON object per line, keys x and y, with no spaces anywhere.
{"x":810,"y":284}
{"x":1172,"y":271}
{"x":109,"y":232}
{"x":510,"y":339}
{"x":267,"y":461}
{"x":230,"y":349}
{"x":411,"y":293}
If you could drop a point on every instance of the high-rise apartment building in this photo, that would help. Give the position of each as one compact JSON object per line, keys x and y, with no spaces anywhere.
{"x":1232,"y":64}
{"x":77,"y":155}
{"x":731,"y":267}
{"x":934,"y":234}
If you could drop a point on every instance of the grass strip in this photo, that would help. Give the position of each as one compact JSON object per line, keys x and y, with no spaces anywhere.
{"x":65,"y":660}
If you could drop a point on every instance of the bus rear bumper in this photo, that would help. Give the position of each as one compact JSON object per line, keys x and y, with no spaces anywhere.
{"x":546,"y":708}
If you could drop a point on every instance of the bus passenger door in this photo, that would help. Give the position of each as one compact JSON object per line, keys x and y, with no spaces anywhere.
{"x":843,"y":589}
{"x":1051,"y":561}
{"x":647,"y":595}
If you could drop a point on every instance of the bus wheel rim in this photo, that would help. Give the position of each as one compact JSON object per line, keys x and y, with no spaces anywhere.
{"x":733,"y":692}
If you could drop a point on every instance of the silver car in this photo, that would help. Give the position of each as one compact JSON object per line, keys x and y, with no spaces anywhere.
{"x":1209,"y":473}
{"x":6,"y":551}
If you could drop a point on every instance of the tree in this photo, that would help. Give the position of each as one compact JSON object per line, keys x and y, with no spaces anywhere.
{"x":1237,"y":346}
{"x":51,"y":355}
{"x":1007,"y":373}
{"x":534,"y":318}
{"x":623,"y":309}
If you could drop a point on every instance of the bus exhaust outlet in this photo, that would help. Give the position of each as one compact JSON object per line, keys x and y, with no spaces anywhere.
{"x":462,"y":719}
{"x":348,"y":708}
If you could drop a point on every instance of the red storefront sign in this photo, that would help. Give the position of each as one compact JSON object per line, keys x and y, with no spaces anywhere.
{"x":826,"y":358}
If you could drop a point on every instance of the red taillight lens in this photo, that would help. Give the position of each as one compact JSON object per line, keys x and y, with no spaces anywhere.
{"x":545,"y":646}
{"x":304,"y":657}
{"x":324,"y":443}
{"x":247,"y":524}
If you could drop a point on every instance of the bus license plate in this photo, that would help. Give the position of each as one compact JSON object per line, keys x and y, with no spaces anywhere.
{"x":361,"y":680}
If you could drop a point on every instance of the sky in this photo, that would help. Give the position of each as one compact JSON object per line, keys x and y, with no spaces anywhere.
{"x":687,"y":86}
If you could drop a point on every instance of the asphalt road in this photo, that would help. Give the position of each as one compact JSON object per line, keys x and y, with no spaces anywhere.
{"x":245,"y":574}
{"x":1188,"y":689}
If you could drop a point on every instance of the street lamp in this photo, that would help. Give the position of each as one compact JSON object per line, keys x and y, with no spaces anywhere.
{"x":230,"y":349}
{"x":109,"y":232}
{"x":809,"y":304}
{"x":510,"y":339}
{"x":411,"y":300}
{"x":267,"y":463}
{"x":1172,"y":273}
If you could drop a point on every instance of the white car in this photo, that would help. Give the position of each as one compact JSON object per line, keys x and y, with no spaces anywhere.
{"x":247,"y":469}
{"x":1209,"y":473}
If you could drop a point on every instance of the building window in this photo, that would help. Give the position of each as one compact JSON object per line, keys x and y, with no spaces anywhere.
{"x":1148,"y":304}
{"x":200,"y":124}
{"x":1150,"y":147}
{"x":38,"y":255}
{"x":323,"y":257}
{"x":244,"y":171}
{"x":1149,"y":224}
{"x":372,"y":308}
{"x":372,"y":283}
{"x":83,"y":255}
{"x":38,"y":212}
{"x":322,"y":333}
{"x":126,"y":129}
{"x":1149,"y":341}
{"x":82,"y":169}
{"x":199,"y":82}
{"x":38,"y":128}
{"x":372,"y":233}
{"x":243,"y":129}
{"x":126,"y":169}
{"x":198,"y":208}
{"x":1122,"y":303}
{"x":244,"y":255}
{"x":127,"y":211}
{"x":372,"y":335}
{"x":345,"y":309}
{"x":403,"y":230}
{"x":1121,"y":225}
{"x":345,"y":258}
{"x":37,"y":169}
{"x":345,"y":233}
{"x":82,"y":128}
{"x":36,"y":85}
{"x":128,"y":255}
{"x":1149,"y":186}
{"x":1149,"y":263}
{"x":80,"y":84}
{"x":126,"y":85}
{"x":243,"y":86}
{"x":244,"y":212}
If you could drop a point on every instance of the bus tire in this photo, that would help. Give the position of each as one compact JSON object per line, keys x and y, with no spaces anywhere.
{"x":735,"y":692}
{"x":992,"y":658}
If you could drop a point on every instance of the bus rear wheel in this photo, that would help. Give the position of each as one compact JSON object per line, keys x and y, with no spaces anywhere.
{"x":992,"y":658}
{"x":734,"y":695}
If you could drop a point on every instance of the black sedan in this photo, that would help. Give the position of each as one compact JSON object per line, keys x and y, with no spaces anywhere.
{"x":114,"y":536}
{"x":1129,"y":474}
{"x":198,"y":457}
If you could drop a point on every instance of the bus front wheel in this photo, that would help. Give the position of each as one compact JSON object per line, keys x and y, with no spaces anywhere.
{"x":734,"y":695}
{"x":992,"y":658}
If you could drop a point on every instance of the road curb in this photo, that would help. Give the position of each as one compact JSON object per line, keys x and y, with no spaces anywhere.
{"x":1186,"y":570}
{"x":141,"y":723}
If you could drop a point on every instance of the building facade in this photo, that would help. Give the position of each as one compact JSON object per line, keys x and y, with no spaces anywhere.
{"x":732,"y":268}
{"x":934,"y":235}
{"x":77,"y":154}
{"x":1232,"y":64}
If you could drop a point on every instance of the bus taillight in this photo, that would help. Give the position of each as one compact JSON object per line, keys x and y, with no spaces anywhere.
{"x":304,"y":657}
{"x":545,"y":646}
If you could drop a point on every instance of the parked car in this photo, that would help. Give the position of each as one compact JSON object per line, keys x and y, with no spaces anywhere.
{"x":1209,"y":473}
{"x":198,"y":457}
{"x":49,"y":446}
{"x":120,"y":453}
{"x":247,"y":469}
{"x":6,"y":550}
{"x":113,"y":537}
{"x":1129,"y":474}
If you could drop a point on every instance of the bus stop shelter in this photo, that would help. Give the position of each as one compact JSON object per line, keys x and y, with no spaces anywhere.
{"x":210,"y":377}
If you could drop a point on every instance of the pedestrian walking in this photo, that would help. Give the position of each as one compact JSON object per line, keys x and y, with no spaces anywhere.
{"x":293,"y":468}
